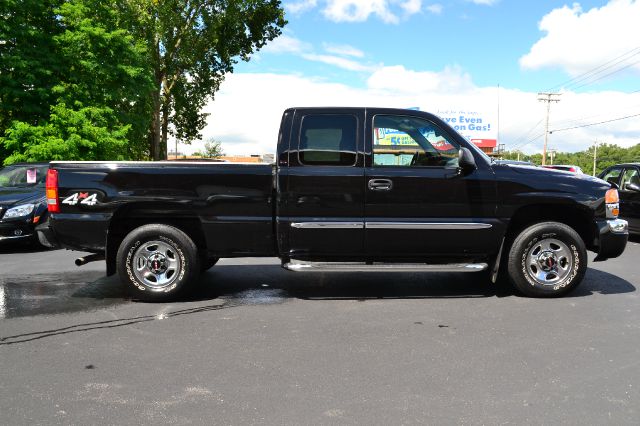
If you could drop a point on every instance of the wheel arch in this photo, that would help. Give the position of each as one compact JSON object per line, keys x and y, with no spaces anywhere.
{"x":578,"y":218}
{"x":129,"y":217}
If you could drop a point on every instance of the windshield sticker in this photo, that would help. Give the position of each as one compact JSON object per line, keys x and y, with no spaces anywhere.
{"x":32,"y":175}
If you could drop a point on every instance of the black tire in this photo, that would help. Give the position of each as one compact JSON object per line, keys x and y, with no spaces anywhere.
{"x":548,"y":259}
{"x":157,"y":262}
{"x":208,"y":263}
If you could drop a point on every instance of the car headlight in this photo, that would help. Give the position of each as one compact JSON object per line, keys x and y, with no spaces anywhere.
{"x":19,"y":211}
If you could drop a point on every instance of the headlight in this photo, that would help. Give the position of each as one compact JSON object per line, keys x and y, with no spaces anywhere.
{"x":19,"y":211}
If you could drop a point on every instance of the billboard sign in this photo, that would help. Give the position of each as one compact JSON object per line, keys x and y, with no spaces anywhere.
{"x":476,"y":126}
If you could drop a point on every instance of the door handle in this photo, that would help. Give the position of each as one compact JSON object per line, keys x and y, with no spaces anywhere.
{"x":380,"y":184}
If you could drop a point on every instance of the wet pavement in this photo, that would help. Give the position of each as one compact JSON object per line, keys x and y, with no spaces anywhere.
{"x":254,"y":343}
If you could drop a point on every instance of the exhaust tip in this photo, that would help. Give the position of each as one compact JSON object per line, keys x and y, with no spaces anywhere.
{"x":89,"y":258}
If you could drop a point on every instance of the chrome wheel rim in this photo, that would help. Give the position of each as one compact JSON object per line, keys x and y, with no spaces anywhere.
{"x":549,"y":261}
{"x":156,"y":264}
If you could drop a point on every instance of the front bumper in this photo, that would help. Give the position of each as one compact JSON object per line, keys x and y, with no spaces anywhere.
{"x":612,"y":238}
{"x":16,"y":230}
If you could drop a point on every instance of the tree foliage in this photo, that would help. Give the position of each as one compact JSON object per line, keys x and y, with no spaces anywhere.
{"x":132,"y":70}
{"x":606,"y":155}
{"x":192,"y":45}
{"x":212,"y":149}
{"x":69,"y":134}
{"x":107,"y":67}
{"x":30,"y":64}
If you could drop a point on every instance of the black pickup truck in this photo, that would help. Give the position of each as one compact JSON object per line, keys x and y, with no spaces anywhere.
{"x":353,"y":189}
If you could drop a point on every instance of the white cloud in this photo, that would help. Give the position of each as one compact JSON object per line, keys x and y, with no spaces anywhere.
{"x":484,"y":2}
{"x":263,"y":98}
{"x":411,"y":7}
{"x":339,"y":62}
{"x":397,"y":78}
{"x":435,"y":8}
{"x":361,"y":10}
{"x":343,"y":50}
{"x":301,"y":6}
{"x":286,"y":44}
{"x":579,"y":41}
{"x":358,"y":11}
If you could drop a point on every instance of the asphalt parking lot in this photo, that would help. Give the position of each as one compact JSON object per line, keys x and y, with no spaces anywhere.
{"x":256,"y":344}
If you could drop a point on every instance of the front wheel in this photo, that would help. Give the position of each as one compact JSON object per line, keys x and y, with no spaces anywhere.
{"x":156,"y":262}
{"x":548,"y":259}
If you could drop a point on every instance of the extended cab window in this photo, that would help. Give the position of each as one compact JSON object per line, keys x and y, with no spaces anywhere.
{"x":411,"y":142}
{"x":328,"y":140}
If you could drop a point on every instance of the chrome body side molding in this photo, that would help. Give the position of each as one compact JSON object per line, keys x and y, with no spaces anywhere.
{"x":302,"y":266}
{"x":427,"y":225}
{"x":391,"y":225}
{"x":328,"y":225}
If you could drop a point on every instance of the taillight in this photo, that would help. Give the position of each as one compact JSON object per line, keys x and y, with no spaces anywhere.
{"x":612,"y":200}
{"x":572,"y":169}
{"x":52,"y":191}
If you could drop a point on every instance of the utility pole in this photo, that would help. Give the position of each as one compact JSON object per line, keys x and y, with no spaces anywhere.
{"x":548,"y":98}
{"x":595,"y":154}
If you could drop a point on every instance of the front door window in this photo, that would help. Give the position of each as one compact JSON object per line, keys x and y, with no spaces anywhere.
{"x":411,"y":142}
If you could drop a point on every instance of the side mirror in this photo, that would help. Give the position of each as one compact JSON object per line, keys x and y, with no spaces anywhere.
{"x":466,"y":162}
{"x":633,"y":187}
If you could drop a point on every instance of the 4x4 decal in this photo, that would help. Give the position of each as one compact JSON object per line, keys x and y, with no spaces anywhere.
{"x":82,"y":198}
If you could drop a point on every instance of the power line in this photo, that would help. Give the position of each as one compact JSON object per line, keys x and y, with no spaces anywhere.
{"x":595,"y":124}
{"x":578,"y":77}
{"x":607,"y":75}
{"x":603,"y":67}
{"x":527,"y":133}
{"x":585,"y":118}
{"x":517,"y":147}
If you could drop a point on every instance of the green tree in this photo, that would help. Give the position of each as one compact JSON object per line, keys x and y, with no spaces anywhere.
{"x":192,"y":44}
{"x":87,"y":133}
{"x":607,"y":155}
{"x":30,"y":64}
{"x":104,"y":80}
{"x":212,"y":149}
{"x":108,"y":67}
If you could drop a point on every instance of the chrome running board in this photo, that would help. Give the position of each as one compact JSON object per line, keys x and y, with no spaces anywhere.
{"x":302,"y":266}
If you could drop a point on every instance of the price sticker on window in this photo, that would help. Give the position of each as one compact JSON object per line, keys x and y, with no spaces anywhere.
{"x":32,"y":175}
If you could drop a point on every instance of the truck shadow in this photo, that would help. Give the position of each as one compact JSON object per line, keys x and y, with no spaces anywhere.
{"x":230,"y":286}
{"x":30,"y":295}
{"x":23,"y":248}
{"x":229,"y":280}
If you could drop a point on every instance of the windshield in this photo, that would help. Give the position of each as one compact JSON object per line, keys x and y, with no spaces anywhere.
{"x":23,"y":175}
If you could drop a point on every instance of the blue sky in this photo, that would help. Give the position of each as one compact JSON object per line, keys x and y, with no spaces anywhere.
{"x":485,"y":38}
{"x":445,"y":55}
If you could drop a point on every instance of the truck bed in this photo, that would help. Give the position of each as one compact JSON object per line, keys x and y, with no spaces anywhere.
{"x":231,"y":203}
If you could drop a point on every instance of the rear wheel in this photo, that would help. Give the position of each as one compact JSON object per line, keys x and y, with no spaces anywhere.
{"x":157,"y":262}
{"x":547,"y":259}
